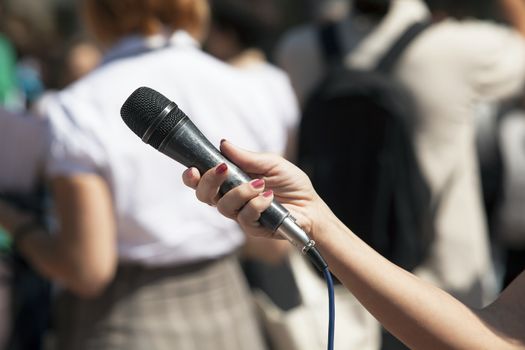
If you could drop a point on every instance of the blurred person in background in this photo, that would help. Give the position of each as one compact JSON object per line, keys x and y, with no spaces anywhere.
{"x":300,"y":54}
{"x":469,"y":68}
{"x":24,"y":142}
{"x":142,"y":265}
{"x":24,"y":296}
{"x":22,"y":145}
{"x":454,"y":65}
{"x":236,"y":34}
{"x":30,"y":26}
{"x":81,"y":57}
{"x":78,"y":58}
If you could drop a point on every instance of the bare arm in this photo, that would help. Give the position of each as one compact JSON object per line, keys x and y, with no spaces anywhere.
{"x":82,"y":255}
{"x":419,"y":314}
{"x":514,"y":11}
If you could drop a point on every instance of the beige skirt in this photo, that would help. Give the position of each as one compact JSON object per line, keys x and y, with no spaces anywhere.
{"x":197,"y":307}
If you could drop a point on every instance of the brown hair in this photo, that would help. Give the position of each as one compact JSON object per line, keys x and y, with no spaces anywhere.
{"x":110,"y":20}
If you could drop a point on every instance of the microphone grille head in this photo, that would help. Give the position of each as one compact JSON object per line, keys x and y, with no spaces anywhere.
{"x":142,"y":108}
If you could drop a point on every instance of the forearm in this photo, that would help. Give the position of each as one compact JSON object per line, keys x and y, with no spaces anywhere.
{"x":56,"y":260}
{"x":514,"y":11}
{"x":82,"y":255}
{"x":419,"y":314}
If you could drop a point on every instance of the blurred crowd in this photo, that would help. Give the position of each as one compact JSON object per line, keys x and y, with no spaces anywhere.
{"x":102,"y":246}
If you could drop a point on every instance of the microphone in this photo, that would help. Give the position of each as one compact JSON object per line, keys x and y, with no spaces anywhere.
{"x":160,"y":123}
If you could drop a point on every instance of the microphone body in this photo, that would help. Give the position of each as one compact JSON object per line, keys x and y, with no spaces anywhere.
{"x":174,"y":134}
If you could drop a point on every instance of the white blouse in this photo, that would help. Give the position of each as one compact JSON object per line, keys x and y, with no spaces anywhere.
{"x":159,"y":220}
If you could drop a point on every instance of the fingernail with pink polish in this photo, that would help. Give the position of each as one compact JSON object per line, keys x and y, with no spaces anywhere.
{"x":268,"y":193}
{"x":257,"y":183}
{"x":221,"y":169}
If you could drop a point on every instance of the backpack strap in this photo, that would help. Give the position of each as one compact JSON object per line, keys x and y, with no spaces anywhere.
{"x":330,"y":43}
{"x":389,"y":60}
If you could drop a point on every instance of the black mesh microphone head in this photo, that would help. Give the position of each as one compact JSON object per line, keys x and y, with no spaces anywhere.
{"x":141,"y":110}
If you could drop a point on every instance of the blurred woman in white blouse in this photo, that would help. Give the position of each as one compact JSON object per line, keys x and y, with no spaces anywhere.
{"x":142,"y":265}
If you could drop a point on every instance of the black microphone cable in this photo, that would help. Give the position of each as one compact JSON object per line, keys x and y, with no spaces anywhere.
{"x":160,"y":123}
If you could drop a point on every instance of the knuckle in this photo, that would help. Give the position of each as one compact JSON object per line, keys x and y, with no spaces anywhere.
{"x":249,"y":213}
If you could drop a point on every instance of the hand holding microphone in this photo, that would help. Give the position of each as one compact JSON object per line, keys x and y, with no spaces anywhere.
{"x":160,"y":123}
{"x":245,"y":203}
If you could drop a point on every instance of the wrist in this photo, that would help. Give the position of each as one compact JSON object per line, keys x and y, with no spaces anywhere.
{"x":323,"y":222}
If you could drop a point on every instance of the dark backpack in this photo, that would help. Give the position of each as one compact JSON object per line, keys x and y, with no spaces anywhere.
{"x":356,"y":144}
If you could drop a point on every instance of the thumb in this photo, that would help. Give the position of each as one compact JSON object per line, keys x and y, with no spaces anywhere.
{"x":250,"y":162}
